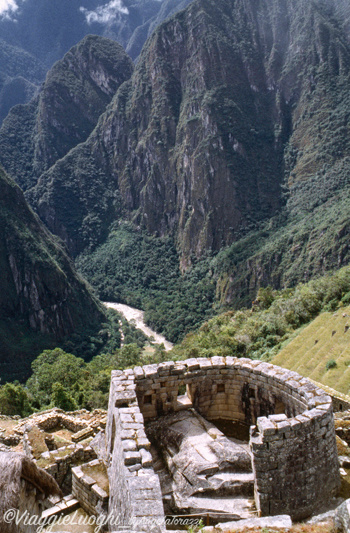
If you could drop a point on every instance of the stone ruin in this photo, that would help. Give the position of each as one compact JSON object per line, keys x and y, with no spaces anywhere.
{"x":292,"y":441}
{"x":72,"y":460}
{"x":169,"y":445}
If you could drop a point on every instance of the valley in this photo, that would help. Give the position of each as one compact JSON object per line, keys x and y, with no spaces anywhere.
{"x":187,"y":192}
{"x":175,"y":258}
{"x":137,"y":317}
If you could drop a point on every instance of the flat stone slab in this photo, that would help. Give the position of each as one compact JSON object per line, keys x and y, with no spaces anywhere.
{"x":209,"y":471}
{"x":235,"y":508}
{"x":281,"y":521}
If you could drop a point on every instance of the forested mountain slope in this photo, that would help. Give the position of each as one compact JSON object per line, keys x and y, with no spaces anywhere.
{"x":20,"y":76}
{"x":76,"y":92}
{"x":229,"y":101}
{"x":231,"y":139}
{"x":42,"y":298}
{"x":36,"y":33}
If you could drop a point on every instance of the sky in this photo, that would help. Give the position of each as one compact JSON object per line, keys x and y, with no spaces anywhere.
{"x":105,"y":13}
{"x":8,"y":5}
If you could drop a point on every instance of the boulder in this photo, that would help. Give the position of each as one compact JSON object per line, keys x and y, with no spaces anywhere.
{"x":342,"y":518}
{"x":208,"y":470}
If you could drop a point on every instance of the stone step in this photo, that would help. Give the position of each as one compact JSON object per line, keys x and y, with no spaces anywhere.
{"x":219,"y":509}
{"x":233,"y":484}
{"x":282,"y":521}
{"x":61,"y":508}
{"x":83,"y":434}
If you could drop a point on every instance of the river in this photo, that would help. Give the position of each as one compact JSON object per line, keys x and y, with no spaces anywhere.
{"x":137,"y":315}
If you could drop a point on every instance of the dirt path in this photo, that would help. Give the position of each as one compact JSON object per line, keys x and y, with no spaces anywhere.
{"x":135,"y":314}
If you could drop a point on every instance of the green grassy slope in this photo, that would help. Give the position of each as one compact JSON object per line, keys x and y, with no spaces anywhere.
{"x":324,"y":340}
{"x":312,"y":318}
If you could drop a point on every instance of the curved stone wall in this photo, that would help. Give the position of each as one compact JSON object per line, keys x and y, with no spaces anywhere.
{"x":292,"y":432}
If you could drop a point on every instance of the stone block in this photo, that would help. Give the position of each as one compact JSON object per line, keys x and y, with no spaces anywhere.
{"x":277,"y":418}
{"x":99,"y":492}
{"x":127,"y":434}
{"x":77,"y":472}
{"x":135,"y":468}
{"x":146,"y":458}
{"x":131,"y":458}
{"x":129,"y":445}
{"x":87,"y":480}
{"x":143,"y":443}
{"x":124,"y":397}
{"x":266,"y":426}
{"x":150,"y":371}
{"x":138,"y":372}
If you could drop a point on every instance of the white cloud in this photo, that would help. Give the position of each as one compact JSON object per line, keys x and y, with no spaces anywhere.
{"x":105,"y":13}
{"x":7,"y":7}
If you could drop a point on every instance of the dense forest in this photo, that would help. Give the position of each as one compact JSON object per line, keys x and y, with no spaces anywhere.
{"x":66,"y":381}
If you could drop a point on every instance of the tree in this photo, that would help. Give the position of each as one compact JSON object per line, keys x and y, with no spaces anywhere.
{"x":129,"y":356}
{"x":62,"y":399}
{"x":14,"y":400}
{"x":54,"y":366}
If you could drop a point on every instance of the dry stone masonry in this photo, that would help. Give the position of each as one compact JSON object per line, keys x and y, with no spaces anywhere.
{"x":87,"y":490}
{"x":135,"y":495}
{"x":292,"y":436}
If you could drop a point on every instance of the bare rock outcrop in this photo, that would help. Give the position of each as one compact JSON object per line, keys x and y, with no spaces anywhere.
{"x":206,"y":467}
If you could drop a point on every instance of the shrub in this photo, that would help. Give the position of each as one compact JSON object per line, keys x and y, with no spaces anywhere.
{"x":331,"y":364}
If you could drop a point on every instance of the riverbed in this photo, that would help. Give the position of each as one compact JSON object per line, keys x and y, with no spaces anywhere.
{"x":130,"y":313}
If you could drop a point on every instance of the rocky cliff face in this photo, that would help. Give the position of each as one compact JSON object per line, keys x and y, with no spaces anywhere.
{"x":198,"y":142}
{"x":42,"y":299}
{"x":231,"y":135}
{"x":76,"y":91}
{"x":31,"y":33}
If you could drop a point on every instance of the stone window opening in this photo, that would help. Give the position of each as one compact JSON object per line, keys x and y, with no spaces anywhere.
{"x":147,"y":400}
{"x":182,"y":390}
{"x":183,"y":396}
{"x":220,"y":388}
{"x":122,"y":404}
{"x":280,"y":408}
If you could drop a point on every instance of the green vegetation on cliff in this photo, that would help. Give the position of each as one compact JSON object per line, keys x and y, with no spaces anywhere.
{"x":286,"y":322}
{"x":75,"y":93}
{"x":143,"y":271}
{"x":43,"y":301}
{"x":275,"y":316}
{"x":321,"y":351}
{"x":60,"y":379}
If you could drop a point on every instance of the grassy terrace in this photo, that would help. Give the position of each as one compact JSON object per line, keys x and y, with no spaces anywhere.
{"x":321,"y":350}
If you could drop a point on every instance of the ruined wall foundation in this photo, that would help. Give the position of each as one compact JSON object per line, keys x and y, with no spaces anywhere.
{"x":292,"y":436}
